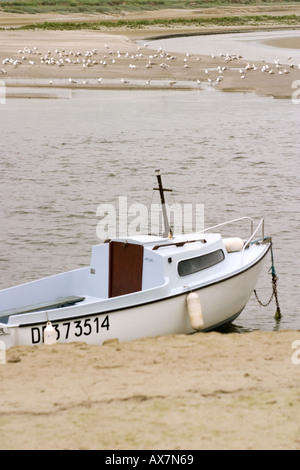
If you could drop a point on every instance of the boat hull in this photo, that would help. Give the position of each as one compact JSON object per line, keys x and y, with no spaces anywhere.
{"x":221,"y":302}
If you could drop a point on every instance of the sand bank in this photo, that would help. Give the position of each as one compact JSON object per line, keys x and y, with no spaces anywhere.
{"x":202,"y":391}
{"x":288,"y":43}
{"x":120,"y":57}
{"x":87,"y":56}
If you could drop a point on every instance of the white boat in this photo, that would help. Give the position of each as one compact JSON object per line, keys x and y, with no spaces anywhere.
{"x":143,"y":286}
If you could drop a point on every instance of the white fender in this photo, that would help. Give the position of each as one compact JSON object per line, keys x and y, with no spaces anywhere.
{"x":49,"y":334}
{"x":233,"y":244}
{"x":195,"y":311}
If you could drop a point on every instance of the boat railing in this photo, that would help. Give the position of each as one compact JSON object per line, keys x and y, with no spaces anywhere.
{"x":261,"y":225}
{"x":230,"y":222}
{"x":246,"y":245}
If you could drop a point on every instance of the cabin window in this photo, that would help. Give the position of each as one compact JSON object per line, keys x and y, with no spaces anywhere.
{"x":193,"y":265}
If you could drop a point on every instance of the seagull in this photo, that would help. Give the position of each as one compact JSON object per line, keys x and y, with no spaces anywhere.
{"x":124,"y":81}
{"x":72,"y":81}
{"x":172,"y":82}
{"x":99,"y":80}
{"x":265,"y":68}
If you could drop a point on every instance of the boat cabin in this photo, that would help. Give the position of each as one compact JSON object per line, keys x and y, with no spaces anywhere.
{"x":140,"y":263}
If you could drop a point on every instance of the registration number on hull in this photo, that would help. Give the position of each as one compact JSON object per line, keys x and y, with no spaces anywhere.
{"x":71,"y":330}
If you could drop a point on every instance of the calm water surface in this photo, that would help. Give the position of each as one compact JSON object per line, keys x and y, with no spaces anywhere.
{"x":61,"y":158}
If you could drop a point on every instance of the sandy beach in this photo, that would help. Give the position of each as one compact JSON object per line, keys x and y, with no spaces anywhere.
{"x":201,"y":391}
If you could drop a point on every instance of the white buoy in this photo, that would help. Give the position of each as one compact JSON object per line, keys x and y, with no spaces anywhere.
{"x":195,"y":311}
{"x":233,"y":244}
{"x":49,"y":334}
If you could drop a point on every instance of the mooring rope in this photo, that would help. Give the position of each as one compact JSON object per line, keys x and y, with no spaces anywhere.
{"x":277,"y":315}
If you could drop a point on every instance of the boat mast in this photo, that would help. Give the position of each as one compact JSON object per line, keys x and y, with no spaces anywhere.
{"x":161,"y":190}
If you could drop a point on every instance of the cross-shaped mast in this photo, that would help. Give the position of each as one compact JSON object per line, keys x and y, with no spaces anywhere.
{"x":168,"y":231}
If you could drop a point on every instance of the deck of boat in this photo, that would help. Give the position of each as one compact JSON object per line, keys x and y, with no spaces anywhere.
{"x":57,"y":303}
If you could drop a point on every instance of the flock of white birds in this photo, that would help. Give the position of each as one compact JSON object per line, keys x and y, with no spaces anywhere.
{"x":266,"y":68}
{"x":97,"y":60}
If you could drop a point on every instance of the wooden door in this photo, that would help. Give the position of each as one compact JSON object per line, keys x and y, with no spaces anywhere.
{"x":125,"y":268}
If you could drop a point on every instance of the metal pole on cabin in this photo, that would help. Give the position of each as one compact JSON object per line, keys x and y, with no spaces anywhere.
{"x":163,"y":204}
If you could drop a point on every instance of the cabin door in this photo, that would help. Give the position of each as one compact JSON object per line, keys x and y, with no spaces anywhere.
{"x":125,"y":268}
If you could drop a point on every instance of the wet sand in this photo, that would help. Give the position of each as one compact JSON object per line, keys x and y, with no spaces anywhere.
{"x":202,"y":391}
{"x":288,"y":43}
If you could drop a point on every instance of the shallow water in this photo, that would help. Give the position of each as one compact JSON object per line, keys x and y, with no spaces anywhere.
{"x":251,"y":46}
{"x":235,"y":153}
